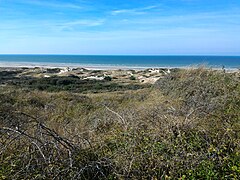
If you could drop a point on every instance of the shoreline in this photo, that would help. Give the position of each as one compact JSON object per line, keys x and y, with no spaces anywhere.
{"x":101,"y":66}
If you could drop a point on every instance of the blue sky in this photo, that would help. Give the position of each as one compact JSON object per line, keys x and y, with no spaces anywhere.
{"x":154,"y":27}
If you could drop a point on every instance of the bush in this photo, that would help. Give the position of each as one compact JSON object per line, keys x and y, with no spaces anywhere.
{"x":132,"y":78}
{"x":107,"y":78}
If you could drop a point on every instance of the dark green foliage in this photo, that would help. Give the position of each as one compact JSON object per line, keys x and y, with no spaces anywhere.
{"x":132,"y":78}
{"x":53,"y":70}
{"x":73,"y":84}
{"x":107,"y":78}
{"x":6,"y":76}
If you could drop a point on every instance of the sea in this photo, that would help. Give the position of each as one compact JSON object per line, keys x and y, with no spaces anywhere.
{"x":114,"y":61}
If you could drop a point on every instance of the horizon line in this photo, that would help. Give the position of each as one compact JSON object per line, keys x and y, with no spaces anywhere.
{"x":53,"y":54}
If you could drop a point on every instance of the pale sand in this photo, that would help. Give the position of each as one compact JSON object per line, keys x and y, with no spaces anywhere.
{"x":65,"y":65}
{"x":96,"y":66}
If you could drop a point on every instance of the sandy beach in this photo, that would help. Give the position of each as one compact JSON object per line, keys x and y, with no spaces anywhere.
{"x":74,"y":65}
{"x":101,"y":66}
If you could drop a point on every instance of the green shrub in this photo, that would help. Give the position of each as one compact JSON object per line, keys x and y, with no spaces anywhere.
{"x":107,"y":78}
{"x":132,"y":78}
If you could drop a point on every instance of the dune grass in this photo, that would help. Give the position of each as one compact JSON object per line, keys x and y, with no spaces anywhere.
{"x":186,"y":126}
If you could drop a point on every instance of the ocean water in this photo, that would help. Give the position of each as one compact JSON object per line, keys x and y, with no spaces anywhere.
{"x":123,"y":61}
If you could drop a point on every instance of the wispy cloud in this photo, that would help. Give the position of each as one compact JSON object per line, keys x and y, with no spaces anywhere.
{"x":133,"y":11}
{"x":50,"y":27}
{"x":205,"y":19}
{"x":80,"y":23}
{"x":52,"y":4}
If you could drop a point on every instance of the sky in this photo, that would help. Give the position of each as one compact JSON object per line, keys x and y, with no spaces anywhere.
{"x":120,"y":27}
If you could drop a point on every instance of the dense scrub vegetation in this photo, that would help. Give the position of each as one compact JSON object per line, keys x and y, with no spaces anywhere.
{"x":187,"y":126}
{"x":72,"y":84}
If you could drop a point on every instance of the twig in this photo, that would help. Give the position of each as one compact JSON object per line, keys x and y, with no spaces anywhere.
{"x":118,"y":115}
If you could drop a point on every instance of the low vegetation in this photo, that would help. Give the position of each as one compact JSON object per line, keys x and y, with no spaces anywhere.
{"x":72,"y":84}
{"x":185,"y":126}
